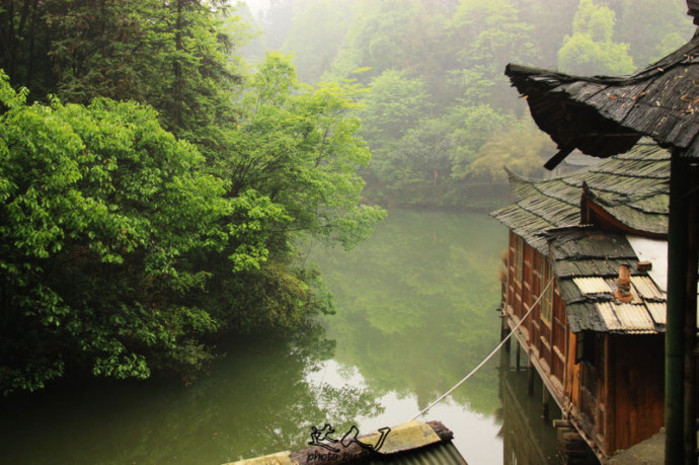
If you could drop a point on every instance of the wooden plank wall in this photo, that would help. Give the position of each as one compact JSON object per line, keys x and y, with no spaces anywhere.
{"x":636,"y":385}
{"x":546,"y":340}
{"x":629,"y":406}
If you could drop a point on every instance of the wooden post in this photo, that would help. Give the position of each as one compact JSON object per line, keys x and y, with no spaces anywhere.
{"x":517,"y":356}
{"x":530,"y":378}
{"x":545,"y":399}
{"x":690,"y":409}
{"x":678,"y":228}
{"x":571,"y":446}
{"x":504,"y":330}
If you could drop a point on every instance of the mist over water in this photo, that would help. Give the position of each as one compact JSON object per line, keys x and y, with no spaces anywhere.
{"x":415,"y":313}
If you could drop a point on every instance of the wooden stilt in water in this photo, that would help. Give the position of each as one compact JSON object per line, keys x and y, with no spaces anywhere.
{"x":504,"y":331}
{"x":571,"y":447}
{"x":517,"y":356}
{"x":545,"y":400}
{"x":530,"y":379}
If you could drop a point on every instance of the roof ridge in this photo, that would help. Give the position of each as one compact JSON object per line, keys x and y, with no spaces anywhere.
{"x":627,"y":175}
{"x":631,"y":197}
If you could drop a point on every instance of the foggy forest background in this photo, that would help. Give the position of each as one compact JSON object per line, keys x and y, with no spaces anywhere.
{"x":436,"y":109}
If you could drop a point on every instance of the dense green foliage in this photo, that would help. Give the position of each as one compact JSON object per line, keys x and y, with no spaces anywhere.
{"x":439,"y":115}
{"x":100,"y":207}
{"x":591,"y":49}
{"x":132,"y":231}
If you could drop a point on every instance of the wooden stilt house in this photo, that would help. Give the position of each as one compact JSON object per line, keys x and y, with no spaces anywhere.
{"x":605,"y":116}
{"x":600,"y":354}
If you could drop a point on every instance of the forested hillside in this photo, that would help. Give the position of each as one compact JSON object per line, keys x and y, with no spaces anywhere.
{"x":437,"y":112}
{"x":153,"y":191}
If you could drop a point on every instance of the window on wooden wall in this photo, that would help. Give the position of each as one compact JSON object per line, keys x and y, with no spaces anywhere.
{"x":547,"y":298}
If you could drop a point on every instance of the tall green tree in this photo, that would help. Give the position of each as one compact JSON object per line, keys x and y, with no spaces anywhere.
{"x":374,"y":42}
{"x":101,"y":210}
{"x":591,"y":48}
{"x":491,"y":35}
{"x":394,"y":104}
{"x":177,"y":56}
{"x":296,"y":149}
{"x":26,"y":40}
{"x":394,"y":34}
{"x":473,"y":127}
{"x":521,"y":147}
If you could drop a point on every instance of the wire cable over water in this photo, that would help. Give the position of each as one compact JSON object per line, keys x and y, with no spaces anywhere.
{"x":495,"y":351}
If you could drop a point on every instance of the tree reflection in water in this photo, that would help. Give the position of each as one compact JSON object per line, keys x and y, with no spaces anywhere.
{"x":255,"y":401}
{"x":416,"y":305}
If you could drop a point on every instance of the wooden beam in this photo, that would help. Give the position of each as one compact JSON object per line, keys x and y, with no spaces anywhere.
{"x":690,"y":408}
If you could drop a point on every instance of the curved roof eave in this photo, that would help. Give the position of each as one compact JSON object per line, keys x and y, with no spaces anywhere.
{"x":607,"y":115}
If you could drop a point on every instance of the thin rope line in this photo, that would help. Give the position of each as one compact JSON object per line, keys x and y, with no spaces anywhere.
{"x":495,"y":351}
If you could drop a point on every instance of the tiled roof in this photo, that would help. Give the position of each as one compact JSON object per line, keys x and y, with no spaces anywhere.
{"x":586,"y":263}
{"x":632,"y":188}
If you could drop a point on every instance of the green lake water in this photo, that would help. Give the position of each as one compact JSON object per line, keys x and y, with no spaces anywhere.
{"x":416,"y":311}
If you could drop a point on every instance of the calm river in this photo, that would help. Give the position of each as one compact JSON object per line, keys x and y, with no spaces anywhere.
{"x":415,"y":313}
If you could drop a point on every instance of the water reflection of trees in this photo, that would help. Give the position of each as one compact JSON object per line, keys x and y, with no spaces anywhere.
{"x":416,"y":305}
{"x":254,"y":402}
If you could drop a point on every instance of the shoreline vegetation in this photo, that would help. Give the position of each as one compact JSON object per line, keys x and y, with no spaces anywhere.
{"x":133,"y":230}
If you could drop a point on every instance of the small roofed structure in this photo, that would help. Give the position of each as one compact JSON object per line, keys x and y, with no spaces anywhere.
{"x":412,"y":443}
{"x":629,"y":190}
{"x":599,"y":353}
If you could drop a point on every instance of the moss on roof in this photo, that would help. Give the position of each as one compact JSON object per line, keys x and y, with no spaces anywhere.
{"x":633,"y":188}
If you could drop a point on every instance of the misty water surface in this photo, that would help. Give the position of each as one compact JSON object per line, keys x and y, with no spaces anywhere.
{"x":416,"y":311}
